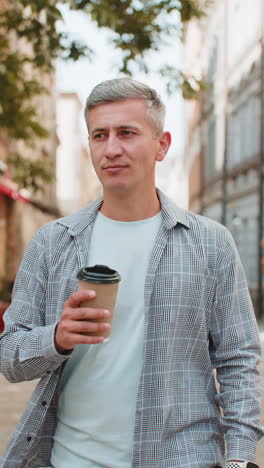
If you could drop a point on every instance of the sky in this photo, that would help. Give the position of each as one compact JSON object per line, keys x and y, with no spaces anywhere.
{"x":82,"y":76}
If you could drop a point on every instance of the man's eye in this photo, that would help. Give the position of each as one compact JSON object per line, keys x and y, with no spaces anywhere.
{"x":98,"y":136}
{"x":128,"y":132}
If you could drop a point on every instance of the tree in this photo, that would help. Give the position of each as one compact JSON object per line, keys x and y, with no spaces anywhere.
{"x":138,"y":25}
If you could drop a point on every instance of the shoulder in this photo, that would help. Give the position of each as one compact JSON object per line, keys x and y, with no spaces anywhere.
{"x":213,"y":237}
{"x":204,"y":234}
{"x":196,"y":228}
{"x":205,"y":225}
{"x":69,"y":225}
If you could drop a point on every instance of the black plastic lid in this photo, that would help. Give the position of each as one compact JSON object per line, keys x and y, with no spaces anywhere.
{"x":98,"y":274}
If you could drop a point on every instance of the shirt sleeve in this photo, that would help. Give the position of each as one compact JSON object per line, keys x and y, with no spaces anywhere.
{"x":27,"y":349}
{"x":235,"y":352}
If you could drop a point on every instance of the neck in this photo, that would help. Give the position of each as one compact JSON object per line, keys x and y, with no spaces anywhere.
{"x":130,"y":207}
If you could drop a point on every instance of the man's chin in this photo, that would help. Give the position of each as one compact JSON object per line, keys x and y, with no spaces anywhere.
{"x":117,"y":188}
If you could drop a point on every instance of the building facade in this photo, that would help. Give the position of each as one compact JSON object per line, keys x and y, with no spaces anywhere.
{"x":224,"y":148}
{"x":77,"y":183}
{"x":22,"y":212}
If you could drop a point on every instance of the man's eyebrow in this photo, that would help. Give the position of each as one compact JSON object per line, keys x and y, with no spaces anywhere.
{"x":128,"y":126}
{"x":123,"y":127}
{"x":98,"y":129}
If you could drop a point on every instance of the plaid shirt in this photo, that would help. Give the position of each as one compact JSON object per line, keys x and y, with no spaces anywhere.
{"x":198,"y":317}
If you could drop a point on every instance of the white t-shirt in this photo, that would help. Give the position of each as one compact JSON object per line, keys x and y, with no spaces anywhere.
{"x":98,"y":386}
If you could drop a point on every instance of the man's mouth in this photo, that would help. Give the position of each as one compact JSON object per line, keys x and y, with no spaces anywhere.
{"x":114,"y":168}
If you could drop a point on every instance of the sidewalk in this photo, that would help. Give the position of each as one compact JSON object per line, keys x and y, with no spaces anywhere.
{"x":13,"y":398}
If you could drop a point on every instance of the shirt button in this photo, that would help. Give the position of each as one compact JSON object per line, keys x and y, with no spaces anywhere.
{"x":43,"y":403}
{"x":29,"y":438}
{"x":48,"y":372}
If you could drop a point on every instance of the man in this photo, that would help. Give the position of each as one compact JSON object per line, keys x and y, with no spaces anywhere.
{"x":147,"y":397}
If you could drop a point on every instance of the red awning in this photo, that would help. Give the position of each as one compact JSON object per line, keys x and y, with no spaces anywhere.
{"x":10,"y":189}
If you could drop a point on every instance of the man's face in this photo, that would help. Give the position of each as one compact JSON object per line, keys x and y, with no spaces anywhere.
{"x":123,"y":147}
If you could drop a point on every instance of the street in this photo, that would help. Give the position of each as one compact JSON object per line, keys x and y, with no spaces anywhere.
{"x":13,"y":398}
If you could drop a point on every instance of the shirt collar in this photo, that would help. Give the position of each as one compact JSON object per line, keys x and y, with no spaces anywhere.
{"x":171,"y":213}
{"x":77,"y":222}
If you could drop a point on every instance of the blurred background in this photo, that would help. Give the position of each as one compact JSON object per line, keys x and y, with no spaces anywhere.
{"x":206,"y":60}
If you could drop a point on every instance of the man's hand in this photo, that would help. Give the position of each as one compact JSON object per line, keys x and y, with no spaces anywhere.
{"x":75,"y":321}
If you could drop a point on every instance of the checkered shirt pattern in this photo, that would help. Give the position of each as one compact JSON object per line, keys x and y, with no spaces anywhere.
{"x":198,"y":317}
{"x":236,"y":465}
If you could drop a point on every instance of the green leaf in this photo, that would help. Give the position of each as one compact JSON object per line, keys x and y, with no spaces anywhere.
{"x":137,"y":25}
{"x":29,"y":174}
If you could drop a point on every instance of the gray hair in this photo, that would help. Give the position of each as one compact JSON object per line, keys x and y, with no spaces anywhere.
{"x":126,"y":88}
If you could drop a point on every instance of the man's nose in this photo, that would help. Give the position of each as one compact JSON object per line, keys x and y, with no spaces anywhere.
{"x":113,"y":147}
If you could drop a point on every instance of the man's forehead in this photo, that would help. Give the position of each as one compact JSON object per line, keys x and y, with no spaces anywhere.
{"x":133,"y":104}
{"x":117,"y":114}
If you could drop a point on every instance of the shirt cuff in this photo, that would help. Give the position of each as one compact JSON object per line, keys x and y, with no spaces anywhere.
{"x":241,"y":448}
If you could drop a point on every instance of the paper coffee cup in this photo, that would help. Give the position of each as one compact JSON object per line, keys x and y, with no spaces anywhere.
{"x":104,"y":281}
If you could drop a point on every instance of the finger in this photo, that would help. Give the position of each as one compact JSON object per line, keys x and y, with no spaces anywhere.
{"x":90,"y":313}
{"x":84,"y":339}
{"x":86,"y":326}
{"x":80,"y":296}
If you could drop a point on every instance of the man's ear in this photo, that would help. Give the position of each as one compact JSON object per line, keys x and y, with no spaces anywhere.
{"x":164,"y":144}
